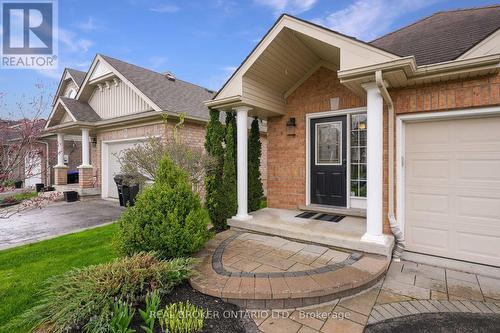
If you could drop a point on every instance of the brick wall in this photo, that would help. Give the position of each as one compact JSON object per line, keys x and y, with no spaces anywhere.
{"x":72,"y":148}
{"x":192,"y":133}
{"x":286,"y":154}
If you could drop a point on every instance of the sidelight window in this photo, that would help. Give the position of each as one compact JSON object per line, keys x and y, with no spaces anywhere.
{"x":358,"y":155}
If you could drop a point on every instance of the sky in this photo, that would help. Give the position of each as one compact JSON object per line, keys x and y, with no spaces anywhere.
{"x":202,"y":42}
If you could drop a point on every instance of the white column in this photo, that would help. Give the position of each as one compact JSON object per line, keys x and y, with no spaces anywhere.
{"x":242,"y":162}
{"x":60,"y":150}
{"x":85,"y":148}
{"x":374,"y":160}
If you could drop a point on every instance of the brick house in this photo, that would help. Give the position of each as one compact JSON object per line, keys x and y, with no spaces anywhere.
{"x":405,"y":128}
{"x":114,"y":106}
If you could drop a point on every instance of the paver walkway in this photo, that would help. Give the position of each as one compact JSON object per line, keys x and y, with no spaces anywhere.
{"x":268,"y":272}
{"x":408,"y":288}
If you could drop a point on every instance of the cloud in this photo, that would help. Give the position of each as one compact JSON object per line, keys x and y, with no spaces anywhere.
{"x":166,"y":8}
{"x":288,"y":6}
{"x":89,"y":25}
{"x":367,"y":19}
{"x":71,"y":42}
{"x":229,"y":68}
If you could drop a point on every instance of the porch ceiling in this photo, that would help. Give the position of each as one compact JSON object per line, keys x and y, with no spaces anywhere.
{"x":291,"y":51}
{"x":282,"y":67}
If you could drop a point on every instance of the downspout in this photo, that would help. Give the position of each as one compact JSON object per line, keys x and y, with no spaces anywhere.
{"x":395,"y":229}
{"x":47,"y":165}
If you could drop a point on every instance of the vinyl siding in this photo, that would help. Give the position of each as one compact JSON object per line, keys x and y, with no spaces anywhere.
{"x":117,"y":101}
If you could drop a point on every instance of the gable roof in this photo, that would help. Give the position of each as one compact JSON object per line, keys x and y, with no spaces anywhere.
{"x":169,"y":95}
{"x":81,"y":111}
{"x":78,"y":76}
{"x":443,"y":36}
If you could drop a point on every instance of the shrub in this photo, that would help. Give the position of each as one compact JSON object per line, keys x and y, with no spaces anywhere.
{"x":83,"y":298}
{"x":214,"y":195}
{"x":229,"y":175}
{"x":255,"y":189}
{"x":182,"y":317}
{"x":167,"y":217}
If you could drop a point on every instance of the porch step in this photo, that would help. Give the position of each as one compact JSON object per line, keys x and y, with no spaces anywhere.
{"x":81,"y":191}
{"x":345,"y":234}
{"x":257,"y":271}
{"x":334,"y":210}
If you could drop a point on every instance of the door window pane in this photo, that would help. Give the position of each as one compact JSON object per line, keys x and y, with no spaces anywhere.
{"x":358,"y":155}
{"x":329,"y":143}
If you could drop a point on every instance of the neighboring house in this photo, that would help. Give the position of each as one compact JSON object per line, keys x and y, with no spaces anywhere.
{"x":114,"y":106}
{"x":406,"y":125}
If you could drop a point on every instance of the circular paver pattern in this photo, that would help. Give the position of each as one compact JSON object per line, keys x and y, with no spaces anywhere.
{"x":268,"y":272}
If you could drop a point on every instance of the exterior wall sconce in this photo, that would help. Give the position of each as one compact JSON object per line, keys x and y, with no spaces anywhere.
{"x":290,"y":127}
{"x":94,"y":142}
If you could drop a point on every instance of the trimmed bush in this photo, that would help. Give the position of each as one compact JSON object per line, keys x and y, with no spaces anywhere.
{"x":229,"y":176}
{"x":83,"y":299}
{"x":214,"y":196}
{"x":167,"y":218}
{"x":255,"y":189}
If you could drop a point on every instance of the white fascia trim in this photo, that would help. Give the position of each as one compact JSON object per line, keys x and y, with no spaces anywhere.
{"x":401,"y":121}
{"x":54,"y":108}
{"x":305,"y":28}
{"x":342,"y":112}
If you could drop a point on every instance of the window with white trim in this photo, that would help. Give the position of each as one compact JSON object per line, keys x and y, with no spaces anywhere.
{"x":358,"y":155}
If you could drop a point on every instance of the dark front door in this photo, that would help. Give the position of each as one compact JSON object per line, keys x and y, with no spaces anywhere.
{"x":328,"y":161}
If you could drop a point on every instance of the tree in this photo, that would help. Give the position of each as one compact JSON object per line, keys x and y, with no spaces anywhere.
{"x":214,"y":195}
{"x":20,"y":139}
{"x":255,"y":189}
{"x":229,"y":173}
{"x":141,"y":161}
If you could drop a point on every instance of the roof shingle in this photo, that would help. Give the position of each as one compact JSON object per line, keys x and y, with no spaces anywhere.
{"x":80,"y":110}
{"x":443,"y":36}
{"x":176,"y":96}
{"x":77,"y":75}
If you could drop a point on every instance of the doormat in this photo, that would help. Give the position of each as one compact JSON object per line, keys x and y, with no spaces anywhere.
{"x":329,"y":218}
{"x":320,"y":216}
{"x":306,"y":215}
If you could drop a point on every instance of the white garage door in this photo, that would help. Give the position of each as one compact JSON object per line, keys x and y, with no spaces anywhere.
{"x":114,"y":166}
{"x":452,"y":189}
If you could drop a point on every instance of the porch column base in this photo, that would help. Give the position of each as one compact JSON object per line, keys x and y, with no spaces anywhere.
{"x":85,"y":176}
{"x":377,"y":239}
{"x":242,"y":217}
{"x":60,"y":175}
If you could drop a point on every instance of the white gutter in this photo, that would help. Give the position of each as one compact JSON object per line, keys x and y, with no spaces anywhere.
{"x":47,"y":164}
{"x":398,"y":234}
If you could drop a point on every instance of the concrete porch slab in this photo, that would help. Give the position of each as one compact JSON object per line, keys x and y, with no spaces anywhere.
{"x":345,"y":234}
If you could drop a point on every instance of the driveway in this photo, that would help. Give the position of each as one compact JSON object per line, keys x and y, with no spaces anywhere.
{"x":55,"y":220}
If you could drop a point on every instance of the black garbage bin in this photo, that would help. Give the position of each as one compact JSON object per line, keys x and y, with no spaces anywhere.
{"x":39,"y":187}
{"x":70,"y":196}
{"x":119,"y":184}
{"x":127,"y":190}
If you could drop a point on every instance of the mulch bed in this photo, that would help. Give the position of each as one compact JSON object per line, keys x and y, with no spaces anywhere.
{"x":439,"y":322}
{"x":223,"y":317}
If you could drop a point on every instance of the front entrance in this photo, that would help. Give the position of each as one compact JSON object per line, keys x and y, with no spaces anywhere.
{"x":329,"y":161}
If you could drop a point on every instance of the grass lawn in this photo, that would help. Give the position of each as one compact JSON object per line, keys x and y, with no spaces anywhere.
{"x":24,"y":269}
